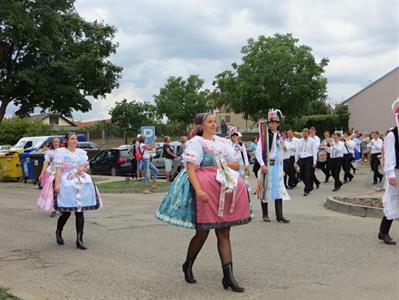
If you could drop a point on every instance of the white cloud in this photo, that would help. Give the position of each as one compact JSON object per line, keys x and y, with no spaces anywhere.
{"x":158,"y":39}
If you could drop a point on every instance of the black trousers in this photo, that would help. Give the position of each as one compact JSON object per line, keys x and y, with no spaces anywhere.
{"x":375,"y":163}
{"x":256,"y":168}
{"x":278,"y":207}
{"x":133,"y":162}
{"x":290,"y":177}
{"x":306,"y":172}
{"x":385,"y":225}
{"x":346,"y":166}
{"x":335,"y":166}
{"x":325,"y":167}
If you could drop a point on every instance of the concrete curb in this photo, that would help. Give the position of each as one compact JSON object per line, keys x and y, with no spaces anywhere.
{"x":130,"y":191}
{"x":353,"y":209}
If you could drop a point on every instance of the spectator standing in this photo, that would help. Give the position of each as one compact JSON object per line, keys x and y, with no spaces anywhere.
{"x":168,"y":156}
{"x":148,"y":166}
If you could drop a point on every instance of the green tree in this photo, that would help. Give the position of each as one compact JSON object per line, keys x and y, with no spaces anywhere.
{"x":130,"y":116}
{"x":12,"y":129}
{"x":179,"y":100}
{"x":53,"y":59}
{"x":275,"y":72}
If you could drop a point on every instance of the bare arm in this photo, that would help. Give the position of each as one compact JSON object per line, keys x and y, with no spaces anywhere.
{"x":45,"y":165}
{"x":195,"y":183}
{"x":234,"y":165}
{"x":58,"y":172}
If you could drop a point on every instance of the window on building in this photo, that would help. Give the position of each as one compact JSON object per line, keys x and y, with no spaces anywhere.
{"x":54,"y":120}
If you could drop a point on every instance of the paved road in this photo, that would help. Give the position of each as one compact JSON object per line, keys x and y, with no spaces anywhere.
{"x":319,"y":255}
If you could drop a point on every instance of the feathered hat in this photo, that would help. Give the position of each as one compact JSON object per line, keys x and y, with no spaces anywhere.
{"x":395,"y":109}
{"x":272,"y":115}
{"x":233,"y":130}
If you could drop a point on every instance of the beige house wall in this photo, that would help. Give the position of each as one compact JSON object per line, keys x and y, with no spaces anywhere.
{"x":370,"y":109}
{"x":236,"y":120}
{"x":61,"y":122}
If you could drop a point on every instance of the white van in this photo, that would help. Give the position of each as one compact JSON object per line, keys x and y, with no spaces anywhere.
{"x":29,"y":142}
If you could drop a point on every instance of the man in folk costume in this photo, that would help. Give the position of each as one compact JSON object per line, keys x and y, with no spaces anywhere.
{"x":391,"y":170}
{"x":271,"y":176}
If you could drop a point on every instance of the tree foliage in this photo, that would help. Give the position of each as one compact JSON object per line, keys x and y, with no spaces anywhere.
{"x":275,"y":72}
{"x":130,"y":116}
{"x":53,"y":59}
{"x":12,"y":129}
{"x":179,"y":100}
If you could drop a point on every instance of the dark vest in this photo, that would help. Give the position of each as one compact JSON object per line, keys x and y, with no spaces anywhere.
{"x":395,"y":133}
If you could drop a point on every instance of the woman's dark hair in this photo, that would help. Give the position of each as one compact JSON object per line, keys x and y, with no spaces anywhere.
{"x":255,"y":139}
{"x":51,"y":142}
{"x":134,"y":140}
{"x":199,"y":119}
{"x":141,"y":139}
{"x":67,"y":137}
{"x":165,"y":139}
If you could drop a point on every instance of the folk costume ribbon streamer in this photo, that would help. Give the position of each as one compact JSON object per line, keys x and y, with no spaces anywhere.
{"x":264,"y":138}
{"x":228,"y":180}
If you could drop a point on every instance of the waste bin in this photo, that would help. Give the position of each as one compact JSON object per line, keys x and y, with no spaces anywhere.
{"x":10,"y":164}
{"x":37,"y":160}
{"x":26,"y":166}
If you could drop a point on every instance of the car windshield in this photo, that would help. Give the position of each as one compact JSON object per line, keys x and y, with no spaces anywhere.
{"x":20,"y":144}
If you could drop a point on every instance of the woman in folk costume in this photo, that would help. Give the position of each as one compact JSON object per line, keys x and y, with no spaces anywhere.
{"x":46,"y":178}
{"x":242,"y":156}
{"x":208,"y":194}
{"x":75,"y":191}
{"x":271,"y":175}
{"x":391,"y":170}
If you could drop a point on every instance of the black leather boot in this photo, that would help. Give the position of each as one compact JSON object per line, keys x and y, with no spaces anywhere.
{"x":279,"y":211}
{"x":228,"y":279}
{"x":58,"y":236}
{"x":188,"y":271}
{"x":386,"y":239}
{"x":265,"y":212}
{"x":79,"y":241}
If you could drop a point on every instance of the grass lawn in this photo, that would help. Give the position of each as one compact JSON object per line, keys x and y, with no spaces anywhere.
{"x":131,"y":185}
{"x":4,"y":295}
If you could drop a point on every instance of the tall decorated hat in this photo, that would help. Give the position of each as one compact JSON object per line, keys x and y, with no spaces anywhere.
{"x":395,"y":109}
{"x":273,"y":115}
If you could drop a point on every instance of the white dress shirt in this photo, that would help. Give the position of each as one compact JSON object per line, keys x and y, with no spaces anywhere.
{"x":272,"y":152}
{"x":376,"y":146}
{"x":306,"y":148}
{"x":291,"y":145}
{"x":349,"y":147}
{"x":337,"y":150}
{"x":317,"y":141}
{"x":389,"y":155}
{"x":286,"y":152}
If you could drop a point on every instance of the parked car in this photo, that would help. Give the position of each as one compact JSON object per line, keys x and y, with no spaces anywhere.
{"x":5,"y":147}
{"x":159,"y":161}
{"x":113,"y":161}
{"x":89,"y":145}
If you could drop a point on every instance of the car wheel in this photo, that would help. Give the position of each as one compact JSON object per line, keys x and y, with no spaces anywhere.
{"x":113,"y":171}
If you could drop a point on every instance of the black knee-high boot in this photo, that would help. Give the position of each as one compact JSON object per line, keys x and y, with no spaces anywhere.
{"x":265,"y":212}
{"x":194,"y":248}
{"x":229,"y":280}
{"x":279,"y":211}
{"x":79,"y":230}
{"x":383,"y":235}
{"x":60,"y":225}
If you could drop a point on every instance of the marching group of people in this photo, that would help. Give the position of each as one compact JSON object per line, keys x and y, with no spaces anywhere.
{"x":212,"y":191}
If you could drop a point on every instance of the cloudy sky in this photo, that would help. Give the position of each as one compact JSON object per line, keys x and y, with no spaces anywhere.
{"x":158,"y":39}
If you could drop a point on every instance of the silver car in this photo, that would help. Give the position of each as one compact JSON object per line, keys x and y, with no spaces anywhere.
{"x":159,"y":161}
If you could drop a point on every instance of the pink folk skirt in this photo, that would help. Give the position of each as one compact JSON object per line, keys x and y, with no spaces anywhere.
{"x":46,"y":198}
{"x":207,"y":213}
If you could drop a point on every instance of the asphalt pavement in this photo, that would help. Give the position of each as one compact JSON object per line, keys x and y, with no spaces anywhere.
{"x":321,"y":254}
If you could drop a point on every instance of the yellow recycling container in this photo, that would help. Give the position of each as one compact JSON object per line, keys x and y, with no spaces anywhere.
{"x":10,"y":165}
